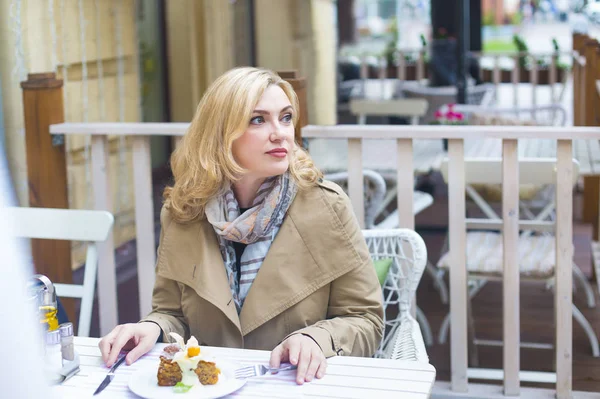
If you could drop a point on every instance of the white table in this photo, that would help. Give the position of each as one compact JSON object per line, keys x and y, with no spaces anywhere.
{"x":347,"y":377}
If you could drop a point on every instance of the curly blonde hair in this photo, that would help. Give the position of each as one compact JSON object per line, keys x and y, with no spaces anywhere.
{"x":203,"y":165}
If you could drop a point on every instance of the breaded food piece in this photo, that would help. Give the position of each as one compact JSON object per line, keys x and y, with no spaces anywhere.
{"x":207,"y":373}
{"x":169,"y":373}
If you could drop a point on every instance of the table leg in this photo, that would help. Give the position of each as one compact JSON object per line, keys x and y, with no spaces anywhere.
{"x":591,"y":202}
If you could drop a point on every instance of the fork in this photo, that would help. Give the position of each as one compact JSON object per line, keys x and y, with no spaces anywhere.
{"x":258,"y":370}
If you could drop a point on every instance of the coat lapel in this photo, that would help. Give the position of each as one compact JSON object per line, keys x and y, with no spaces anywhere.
{"x":297,"y":264}
{"x":194,"y":258}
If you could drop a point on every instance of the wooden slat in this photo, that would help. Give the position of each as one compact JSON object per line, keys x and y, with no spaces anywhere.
{"x":515,"y":81}
{"x":355,"y":179}
{"x":498,"y":224}
{"x":510,"y":308}
{"x":352,"y":131}
{"x":496,"y":76}
{"x":144,"y":221}
{"x":458,"y":269}
{"x":401,"y":71}
{"x":576,"y":89}
{"x":107,"y":284}
{"x":450,"y":132}
{"x":590,"y":81}
{"x":534,"y":78}
{"x":564,"y":274}
{"x":396,"y":107}
{"x":443,"y":389}
{"x":421,"y":65}
{"x":364,"y":68}
{"x":552,"y":78}
{"x":582,"y":106}
{"x":405,"y":184}
{"x":591,"y":198}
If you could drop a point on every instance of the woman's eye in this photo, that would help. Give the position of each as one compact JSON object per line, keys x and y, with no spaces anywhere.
{"x":257,"y":120}
{"x":287,"y":118}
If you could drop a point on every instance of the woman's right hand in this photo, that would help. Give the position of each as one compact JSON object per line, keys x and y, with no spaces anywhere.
{"x":138,"y":338}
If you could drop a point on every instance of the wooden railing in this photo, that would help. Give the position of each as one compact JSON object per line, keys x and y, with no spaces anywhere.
{"x":411,"y":64}
{"x":404,"y":136}
{"x":457,"y":233}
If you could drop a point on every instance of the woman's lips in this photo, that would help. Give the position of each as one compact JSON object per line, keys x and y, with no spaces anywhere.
{"x":278,"y":152}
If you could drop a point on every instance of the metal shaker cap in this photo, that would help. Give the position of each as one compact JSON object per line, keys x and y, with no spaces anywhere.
{"x":52,"y":337}
{"x":66,"y":329}
{"x":48,"y":296}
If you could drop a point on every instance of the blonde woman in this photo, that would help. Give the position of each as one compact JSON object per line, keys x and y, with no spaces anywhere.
{"x":256,"y":250}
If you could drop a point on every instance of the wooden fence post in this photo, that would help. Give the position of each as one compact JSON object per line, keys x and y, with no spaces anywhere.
{"x":577,"y":39}
{"x":591,"y":184}
{"x":299,"y":85}
{"x":47,"y":172}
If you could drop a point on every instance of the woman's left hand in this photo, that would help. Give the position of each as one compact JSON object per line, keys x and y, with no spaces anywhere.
{"x":303,"y":352}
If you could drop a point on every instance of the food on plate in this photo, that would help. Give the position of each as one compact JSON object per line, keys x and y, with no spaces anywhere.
{"x":185,"y":364}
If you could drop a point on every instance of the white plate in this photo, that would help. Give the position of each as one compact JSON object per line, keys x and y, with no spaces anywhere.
{"x":143,"y":382}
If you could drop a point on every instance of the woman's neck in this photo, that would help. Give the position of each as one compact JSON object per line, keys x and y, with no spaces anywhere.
{"x":245,"y":190}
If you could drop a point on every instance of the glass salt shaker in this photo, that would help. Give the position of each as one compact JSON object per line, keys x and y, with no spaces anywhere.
{"x":66,"y":341}
{"x":53,"y":351}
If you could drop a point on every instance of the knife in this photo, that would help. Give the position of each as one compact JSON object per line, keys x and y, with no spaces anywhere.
{"x":109,"y":377}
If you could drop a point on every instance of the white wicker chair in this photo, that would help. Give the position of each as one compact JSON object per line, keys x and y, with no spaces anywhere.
{"x":402,"y":335}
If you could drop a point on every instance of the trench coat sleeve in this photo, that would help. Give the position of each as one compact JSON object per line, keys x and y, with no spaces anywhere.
{"x":354,"y":321}
{"x":166,"y":296}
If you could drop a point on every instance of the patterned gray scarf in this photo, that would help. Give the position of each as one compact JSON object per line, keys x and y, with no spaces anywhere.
{"x":257,"y":227}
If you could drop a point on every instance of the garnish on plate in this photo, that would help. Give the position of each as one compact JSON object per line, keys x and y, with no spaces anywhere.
{"x":183,"y":365}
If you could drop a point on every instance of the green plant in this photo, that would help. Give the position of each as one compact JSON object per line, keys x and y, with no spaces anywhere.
{"x":392,"y":45}
{"x":423,"y":40}
{"x":521,"y":48}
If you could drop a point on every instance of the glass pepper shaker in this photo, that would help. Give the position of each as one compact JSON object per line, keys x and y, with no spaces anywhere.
{"x":66,"y":341}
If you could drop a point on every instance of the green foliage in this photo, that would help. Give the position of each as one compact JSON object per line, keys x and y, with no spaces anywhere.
{"x":521,"y":47}
{"x":499,"y":46}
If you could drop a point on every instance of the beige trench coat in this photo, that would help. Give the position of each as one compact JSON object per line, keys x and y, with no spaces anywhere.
{"x":317,"y":280}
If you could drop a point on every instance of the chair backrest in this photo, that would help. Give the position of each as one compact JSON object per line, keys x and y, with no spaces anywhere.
{"x":375,"y":189}
{"x":532,"y":171}
{"x":409,"y":258}
{"x":66,"y":224}
{"x":411,"y":108}
{"x":545,"y":115}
